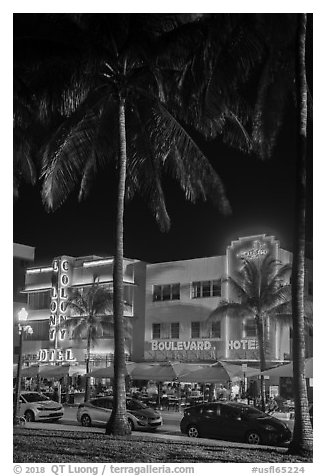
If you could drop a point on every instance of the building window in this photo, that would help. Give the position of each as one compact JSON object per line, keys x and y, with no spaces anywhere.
{"x":40,"y":300}
{"x":156,"y":331}
{"x":216,"y":330}
{"x":250,"y":329}
{"x":166,"y":292}
{"x":175,"y":328}
{"x":195,"y":329}
{"x":206,"y":288}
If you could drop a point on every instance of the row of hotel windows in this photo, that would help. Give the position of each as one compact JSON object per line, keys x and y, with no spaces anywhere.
{"x":159,"y":330}
{"x":172,"y":330}
{"x":199,"y":289}
{"x":164,"y":292}
{"x":198,"y":330}
{"x":161,"y":292}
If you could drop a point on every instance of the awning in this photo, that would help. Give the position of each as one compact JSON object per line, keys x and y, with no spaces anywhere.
{"x":219,"y":372}
{"x":287,"y":370}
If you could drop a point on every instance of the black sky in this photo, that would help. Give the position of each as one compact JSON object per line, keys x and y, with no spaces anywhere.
{"x":261,"y":196}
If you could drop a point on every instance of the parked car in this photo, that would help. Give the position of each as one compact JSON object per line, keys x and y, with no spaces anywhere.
{"x":97,"y":412}
{"x":234,"y":421}
{"x":35,"y":406}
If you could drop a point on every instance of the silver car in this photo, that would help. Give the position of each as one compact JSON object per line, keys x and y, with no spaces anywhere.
{"x":35,"y":406}
{"x":97,"y":412}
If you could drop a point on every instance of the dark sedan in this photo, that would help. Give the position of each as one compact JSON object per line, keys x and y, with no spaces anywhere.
{"x":233,"y":421}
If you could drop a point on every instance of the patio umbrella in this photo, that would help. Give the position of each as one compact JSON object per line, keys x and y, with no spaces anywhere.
{"x":75,"y":370}
{"x":209,"y":374}
{"x":31,"y":371}
{"x":53,"y":371}
{"x":237,"y":371}
{"x":108,"y":372}
{"x":161,"y":372}
{"x":50,"y":371}
{"x":287,"y":370}
{"x":219,"y":372}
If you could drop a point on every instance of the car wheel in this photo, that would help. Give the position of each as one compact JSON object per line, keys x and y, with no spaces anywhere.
{"x":86,"y":420}
{"x":131,"y":425}
{"x":253,"y":438}
{"x":29,"y":416}
{"x":193,"y":431}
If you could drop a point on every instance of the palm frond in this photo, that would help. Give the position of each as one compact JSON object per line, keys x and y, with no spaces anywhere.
{"x":185,"y":161}
{"x":64,"y":159}
{"x":230,"y":307}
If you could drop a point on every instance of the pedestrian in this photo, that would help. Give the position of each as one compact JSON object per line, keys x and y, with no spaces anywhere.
{"x":55,"y":395}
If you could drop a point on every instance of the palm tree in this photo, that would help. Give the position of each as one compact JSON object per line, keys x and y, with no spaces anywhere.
{"x":284,"y":76}
{"x":275,"y":69}
{"x":118,"y":117}
{"x":262,"y":292}
{"x":37,"y":43}
{"x":215,"y":55}
{"x":90,"y":318}
{"x":302,"y":432}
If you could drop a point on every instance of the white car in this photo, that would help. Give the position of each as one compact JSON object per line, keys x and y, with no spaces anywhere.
{"x":97,"y":412}
{"x":35,"y":406}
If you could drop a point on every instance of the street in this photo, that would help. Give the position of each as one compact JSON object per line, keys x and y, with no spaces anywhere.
{"x":171,"y":420}
{"x":170,"y":428}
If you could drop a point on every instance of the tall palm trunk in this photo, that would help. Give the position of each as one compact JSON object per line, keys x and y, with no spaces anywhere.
{"x":88,"y":353}
{"x":261,"y":347}
{"x":302,"y":433}
{"x":118,"y":423}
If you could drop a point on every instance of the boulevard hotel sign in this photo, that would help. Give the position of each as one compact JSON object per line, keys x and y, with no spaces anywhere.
{"x":180,"y":350}
{"x":181,"y":345}
{"x":201,"y":349}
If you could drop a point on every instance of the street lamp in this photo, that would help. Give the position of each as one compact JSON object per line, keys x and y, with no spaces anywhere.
{"x":22,"y":317}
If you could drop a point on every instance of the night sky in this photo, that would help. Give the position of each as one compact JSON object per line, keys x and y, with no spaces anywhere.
{"x":261,"y":196}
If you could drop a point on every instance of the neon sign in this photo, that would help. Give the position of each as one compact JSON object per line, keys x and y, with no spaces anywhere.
{"x":245,"y":344}
{"x":180,"y":345}
{"x":55,"y":355}
{"x":258,"y":249}
{"x":59,"y":300}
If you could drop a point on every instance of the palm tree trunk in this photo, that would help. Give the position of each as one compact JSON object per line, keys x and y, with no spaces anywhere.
{"x":118,"y":423}
{"x":302,"y":433}
{"x":88,"y":352}
{"x":261,"y":347}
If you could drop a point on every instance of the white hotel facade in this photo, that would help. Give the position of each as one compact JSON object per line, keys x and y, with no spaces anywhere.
{"x":169,"y":304}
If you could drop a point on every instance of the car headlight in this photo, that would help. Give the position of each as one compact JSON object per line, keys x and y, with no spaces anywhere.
{"x":269,"y":428}
{"x":142,"y":417}
{"x":40,"y":408}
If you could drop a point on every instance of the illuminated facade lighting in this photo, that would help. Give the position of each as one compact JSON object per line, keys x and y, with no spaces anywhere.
{"x":46,"y":269}
{"x":101,"y":262}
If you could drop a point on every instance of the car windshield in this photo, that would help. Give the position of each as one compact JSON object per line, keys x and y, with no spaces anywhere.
{"x":252,"y":412}
{"x":135,"y":405}
{"x":35,"y":397}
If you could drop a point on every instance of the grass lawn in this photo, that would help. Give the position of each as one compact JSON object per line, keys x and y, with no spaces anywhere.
{"x":44,"y":446}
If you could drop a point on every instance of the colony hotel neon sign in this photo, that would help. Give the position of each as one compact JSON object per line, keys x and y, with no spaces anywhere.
{"x":59,"y":301}
{"x":58,"y":309}
{"x":55,"y":355}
